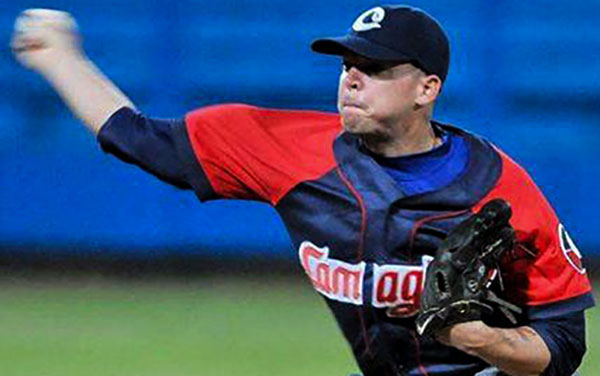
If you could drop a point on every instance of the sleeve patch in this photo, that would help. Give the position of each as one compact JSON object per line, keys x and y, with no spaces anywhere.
{"x":570,"y":250}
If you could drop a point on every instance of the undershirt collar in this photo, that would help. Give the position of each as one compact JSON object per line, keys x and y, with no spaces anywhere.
{"x":430,"y":170}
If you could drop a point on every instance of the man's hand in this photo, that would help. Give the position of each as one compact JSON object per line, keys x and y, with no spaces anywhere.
{"x":457,"y":280}
{"x":48,"y":42}
{"x":42,"y":37}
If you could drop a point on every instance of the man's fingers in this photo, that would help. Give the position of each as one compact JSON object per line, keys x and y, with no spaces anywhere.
{"x":24,"y":45}
{"x":494,"y":213}
{"x":24,"y":42}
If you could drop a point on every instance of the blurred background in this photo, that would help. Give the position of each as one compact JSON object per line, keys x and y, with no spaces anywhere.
{"x":106,"y":270}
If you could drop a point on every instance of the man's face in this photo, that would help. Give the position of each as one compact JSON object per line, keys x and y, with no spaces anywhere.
{"x":375,"y":96}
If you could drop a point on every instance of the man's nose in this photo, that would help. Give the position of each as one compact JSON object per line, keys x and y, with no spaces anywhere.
{"x":354,"y":79}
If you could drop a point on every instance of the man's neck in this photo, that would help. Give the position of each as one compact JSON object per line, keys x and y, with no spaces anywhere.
{"x":414,"y":139}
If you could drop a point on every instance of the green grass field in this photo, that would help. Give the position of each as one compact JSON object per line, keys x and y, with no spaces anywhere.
{"x":202,"y":327}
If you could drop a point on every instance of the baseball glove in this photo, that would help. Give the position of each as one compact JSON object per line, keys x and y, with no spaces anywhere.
{"x":457,"y":280}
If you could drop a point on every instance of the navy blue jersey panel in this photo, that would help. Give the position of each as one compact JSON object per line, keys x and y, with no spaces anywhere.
{"x":322,"y":212}
{"x":158,"y":146}
{"x":575,"y":304}
{"x":565,"y":338}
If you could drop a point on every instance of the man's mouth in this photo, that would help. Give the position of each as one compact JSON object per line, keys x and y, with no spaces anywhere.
{"x":352,"y":104}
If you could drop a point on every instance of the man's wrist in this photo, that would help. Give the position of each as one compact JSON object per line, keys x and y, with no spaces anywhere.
{"x":472,"y":337}
{"x":515,"y":351}
{"x":60,"y":61}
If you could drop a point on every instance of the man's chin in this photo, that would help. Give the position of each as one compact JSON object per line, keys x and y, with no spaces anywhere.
{"x":353,"y":124}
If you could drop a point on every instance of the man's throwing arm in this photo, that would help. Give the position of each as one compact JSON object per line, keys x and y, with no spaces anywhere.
{"x":47,"y":41}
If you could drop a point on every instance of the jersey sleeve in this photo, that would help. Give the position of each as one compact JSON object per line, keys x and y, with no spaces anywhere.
{"x":254,"y":153}
{"x":546,"y":272}
{"x":565,"y":337}
{"x":158,"y":146}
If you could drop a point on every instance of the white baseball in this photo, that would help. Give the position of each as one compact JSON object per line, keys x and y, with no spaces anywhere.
{"x":40,"y":18}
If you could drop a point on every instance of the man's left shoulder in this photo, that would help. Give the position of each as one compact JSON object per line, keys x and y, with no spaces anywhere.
{"x":511,"y":172}
{"x":479,"y":146}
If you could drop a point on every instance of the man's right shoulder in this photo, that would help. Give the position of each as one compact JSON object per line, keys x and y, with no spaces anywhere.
{"x":268,"y":150}
{"x":239,"y":114}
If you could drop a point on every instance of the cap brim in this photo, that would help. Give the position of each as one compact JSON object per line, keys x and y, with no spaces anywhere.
{"x":360,"y":46}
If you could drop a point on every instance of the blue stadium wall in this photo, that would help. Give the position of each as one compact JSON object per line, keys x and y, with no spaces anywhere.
{"x":526,"y":74}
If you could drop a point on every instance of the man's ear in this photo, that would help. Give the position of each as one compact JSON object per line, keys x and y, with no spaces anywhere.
{"x":431,"y":86}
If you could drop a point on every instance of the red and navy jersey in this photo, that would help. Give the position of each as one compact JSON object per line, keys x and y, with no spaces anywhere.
{"x":362,"y":242}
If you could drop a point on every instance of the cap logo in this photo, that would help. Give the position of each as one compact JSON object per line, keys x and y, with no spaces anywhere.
{"x":369,"y":20}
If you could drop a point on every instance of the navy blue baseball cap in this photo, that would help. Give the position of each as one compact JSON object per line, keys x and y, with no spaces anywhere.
{"x":394,"y":33}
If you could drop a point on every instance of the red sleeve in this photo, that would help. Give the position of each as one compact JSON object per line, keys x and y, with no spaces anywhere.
{"x":556,"y":272}
{"x":254,"y":153}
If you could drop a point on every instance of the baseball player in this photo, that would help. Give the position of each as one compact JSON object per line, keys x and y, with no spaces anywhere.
{"x":370,"y":196}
